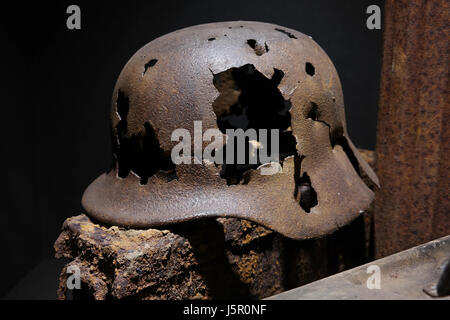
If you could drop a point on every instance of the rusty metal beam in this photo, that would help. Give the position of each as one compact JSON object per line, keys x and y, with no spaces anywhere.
{"x":413,"y":204}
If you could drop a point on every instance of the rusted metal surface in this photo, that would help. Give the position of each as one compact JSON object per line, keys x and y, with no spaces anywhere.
{"x":207,"y":259}
{"x":413,"y":205}
{"x":202,"y":260}
{"x":194,"y":74}
{"x":403,"y":276}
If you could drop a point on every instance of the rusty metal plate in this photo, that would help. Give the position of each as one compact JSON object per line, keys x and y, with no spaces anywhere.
{"x":405,"y":275}
{"x":413,"y":134}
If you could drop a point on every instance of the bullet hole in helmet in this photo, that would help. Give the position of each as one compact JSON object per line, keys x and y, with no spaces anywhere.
{"x":305,"y":193}
{"x":114,"y":145}
{"x":290,"y":35}
{"x":139,"y":153}
{"x":252,"y":43}
{"x":123,"y":106}
{"x":250,"y":100}
{"x":313,"y":113}
{"x":149,"y":64}
{"x":259,"y":49}
{"x":309,"y":68}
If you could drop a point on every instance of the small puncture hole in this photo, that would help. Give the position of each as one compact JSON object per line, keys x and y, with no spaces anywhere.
{"x":149,"y":64}
{"x":308,"y":196}
{"x":259,"y":49}
{"x":309,"y":68}
{"x":252,"y":43}
{"x":313,"y":113}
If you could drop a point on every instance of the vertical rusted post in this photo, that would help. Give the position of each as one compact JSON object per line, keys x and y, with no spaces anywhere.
{"x":412,"y":150}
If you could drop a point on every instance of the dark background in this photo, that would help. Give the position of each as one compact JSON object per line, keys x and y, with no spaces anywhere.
{"x":56,"y":87}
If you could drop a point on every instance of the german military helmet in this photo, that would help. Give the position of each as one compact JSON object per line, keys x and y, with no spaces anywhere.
{"x":231,"y":76}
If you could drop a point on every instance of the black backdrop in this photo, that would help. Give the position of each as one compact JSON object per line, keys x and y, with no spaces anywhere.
{"x":56,"y":87}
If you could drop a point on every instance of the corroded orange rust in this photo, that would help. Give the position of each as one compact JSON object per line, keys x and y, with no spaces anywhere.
{"x":413,"y":140}
{"x":200,"y":261}
{"x":169,"y":84}
{"x":227,"y":258}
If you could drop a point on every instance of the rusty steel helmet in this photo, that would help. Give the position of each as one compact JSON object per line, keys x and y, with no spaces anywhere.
{"x":232,"y":75}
